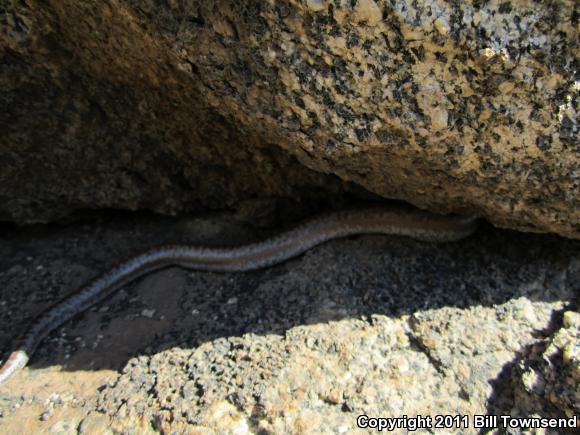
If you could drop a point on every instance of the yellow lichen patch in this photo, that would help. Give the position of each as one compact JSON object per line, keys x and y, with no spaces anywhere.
{"x":316,"y":5}
{"x":442,"y":25}
{"x":430,"y":97}
{"x":224,"y":28}
{"x":367,"y":11}
{"x":337,"y":45}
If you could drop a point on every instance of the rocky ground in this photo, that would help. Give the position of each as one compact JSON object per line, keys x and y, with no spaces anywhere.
{"x":375,"y":325}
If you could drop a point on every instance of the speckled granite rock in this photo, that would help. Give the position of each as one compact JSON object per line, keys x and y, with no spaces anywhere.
{"x":468,"y":107}
{"x":551,"y":373}
{"x":319,"y":378}
{"x":385,"y":326}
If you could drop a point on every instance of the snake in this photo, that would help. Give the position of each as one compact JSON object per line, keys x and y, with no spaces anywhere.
{"x":414,"y":223}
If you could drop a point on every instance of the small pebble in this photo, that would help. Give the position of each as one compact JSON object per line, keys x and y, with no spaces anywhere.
{"x":148,"y":313}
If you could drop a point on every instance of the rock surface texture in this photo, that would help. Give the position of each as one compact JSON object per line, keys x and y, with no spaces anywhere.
{"x":467,"y":107}
{"x":375,"y":325}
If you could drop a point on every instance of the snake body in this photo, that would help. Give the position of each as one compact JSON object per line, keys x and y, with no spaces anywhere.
{"x":414,"y":223}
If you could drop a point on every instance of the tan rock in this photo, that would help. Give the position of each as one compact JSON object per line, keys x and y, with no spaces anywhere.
{"x":178,"y":106}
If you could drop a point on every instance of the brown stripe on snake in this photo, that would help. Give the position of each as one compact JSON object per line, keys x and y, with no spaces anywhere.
{"x":375,"y":220}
